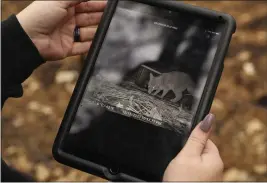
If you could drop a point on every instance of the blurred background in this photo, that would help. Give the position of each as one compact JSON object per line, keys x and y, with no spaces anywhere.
{"x":30,"y":124}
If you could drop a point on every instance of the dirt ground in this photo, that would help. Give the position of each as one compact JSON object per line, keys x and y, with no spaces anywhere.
{"x":29,"y":124}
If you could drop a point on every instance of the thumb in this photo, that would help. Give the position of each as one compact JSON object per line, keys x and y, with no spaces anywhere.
{"x":199,"y":137}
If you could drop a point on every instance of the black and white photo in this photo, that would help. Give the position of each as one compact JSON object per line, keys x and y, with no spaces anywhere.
{"x":152,"y":68}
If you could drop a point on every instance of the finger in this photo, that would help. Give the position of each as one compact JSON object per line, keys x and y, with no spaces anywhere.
{"x":67,"y":4}
{"x":211,"y":154}
{"x":199,"y":137}
{"x":87,"y":33}
{"x":80,"y":48}
{"x":210,"y":148}
{"x":91,"y":6}
{"x":88,"y":19}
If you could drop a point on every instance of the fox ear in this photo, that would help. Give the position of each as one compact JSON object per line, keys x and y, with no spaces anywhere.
{"x":151,"y":75}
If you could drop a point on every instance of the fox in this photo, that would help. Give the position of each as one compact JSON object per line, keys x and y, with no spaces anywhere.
{"x":173,"y":81}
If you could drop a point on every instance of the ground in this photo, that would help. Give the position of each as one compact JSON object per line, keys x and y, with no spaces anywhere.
{"x":139,"y":103}
{"x":29,"y":124}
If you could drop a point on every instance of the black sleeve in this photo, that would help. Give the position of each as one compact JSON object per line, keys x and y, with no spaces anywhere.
{"x":19,"y":58}
{"x":9,"y":174}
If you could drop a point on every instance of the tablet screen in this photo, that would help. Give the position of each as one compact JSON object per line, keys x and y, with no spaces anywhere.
{"x":147,"y":82}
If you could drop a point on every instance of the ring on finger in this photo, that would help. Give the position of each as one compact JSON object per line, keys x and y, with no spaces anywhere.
{"x":77,"y":34}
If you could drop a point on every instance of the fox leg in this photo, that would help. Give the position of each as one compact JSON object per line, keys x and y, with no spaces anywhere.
{"x":178,"y":96}
{"x":157,"y":91}
{"x":165,"y":91}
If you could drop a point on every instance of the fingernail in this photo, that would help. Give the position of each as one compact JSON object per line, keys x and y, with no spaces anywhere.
{"x":206,"y":124}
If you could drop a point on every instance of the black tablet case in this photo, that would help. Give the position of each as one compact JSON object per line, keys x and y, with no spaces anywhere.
{"x":204,"y":105}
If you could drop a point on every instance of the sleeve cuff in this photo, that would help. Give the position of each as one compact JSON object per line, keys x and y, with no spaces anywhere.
{"x":21,"y":56}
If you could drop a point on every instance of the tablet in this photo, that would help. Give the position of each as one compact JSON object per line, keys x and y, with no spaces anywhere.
{"x":149,"y":78}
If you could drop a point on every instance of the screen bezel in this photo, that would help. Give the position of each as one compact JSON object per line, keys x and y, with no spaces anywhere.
{"x":86,"y":73}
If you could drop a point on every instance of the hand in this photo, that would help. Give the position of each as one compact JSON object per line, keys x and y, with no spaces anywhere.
{"x":50,"y":25}
{"x":199,"y":160}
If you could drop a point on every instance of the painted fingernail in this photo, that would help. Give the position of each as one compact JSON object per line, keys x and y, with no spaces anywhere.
{"x":206,"y":124}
